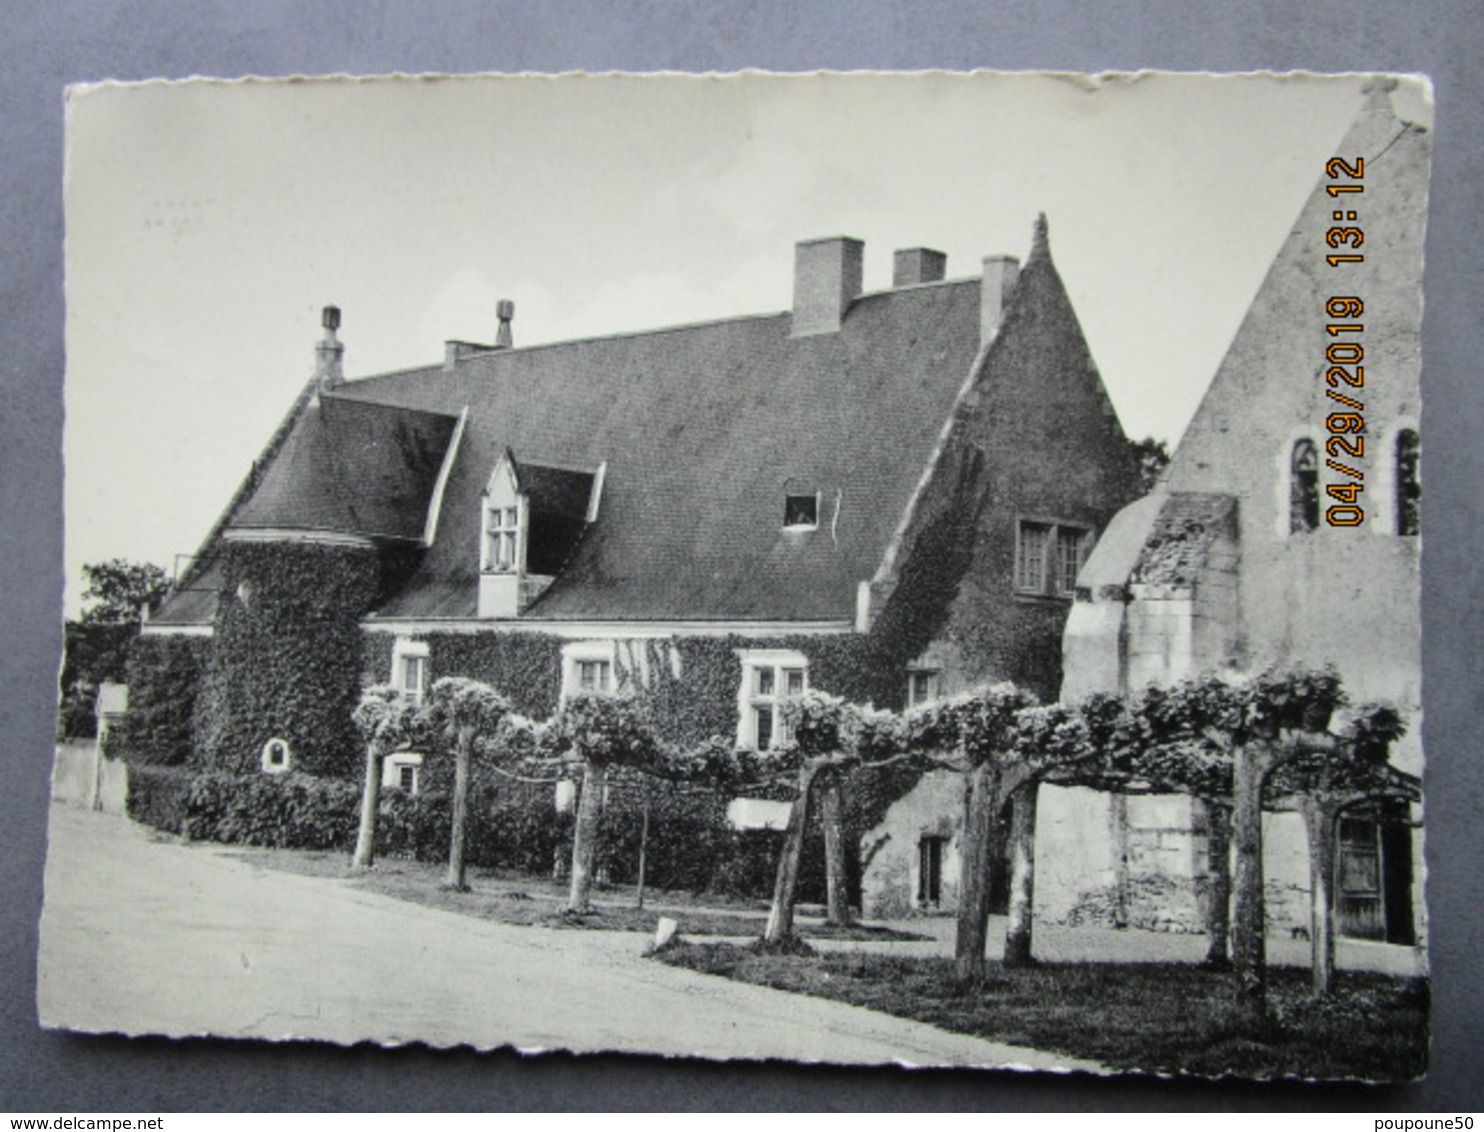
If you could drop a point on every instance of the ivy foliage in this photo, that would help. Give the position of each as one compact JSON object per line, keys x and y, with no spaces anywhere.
{"x":93,"y":653}
{"x":165,"y":675}
{"x":287,"y":657}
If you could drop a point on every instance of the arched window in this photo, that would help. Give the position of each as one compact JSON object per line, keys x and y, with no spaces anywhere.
{"x":1408,"y":490}
{"x":1303,"y":487}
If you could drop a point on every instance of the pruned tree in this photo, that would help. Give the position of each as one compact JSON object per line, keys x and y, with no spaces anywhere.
{"x":599,"y":731}
{"x":1326,"y":785}
{"x":829,"y":738}
{"x":1049,"y":743}
{"x":462,"y":711}
{"x":976,"y":733}
{"x":1176,"y":740}
{"x":388,"y":722}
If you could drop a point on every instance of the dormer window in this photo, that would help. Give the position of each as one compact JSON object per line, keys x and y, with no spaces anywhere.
{"x":502,"y":538}
{"x":800,"y":512}
{"x":532,"y":518}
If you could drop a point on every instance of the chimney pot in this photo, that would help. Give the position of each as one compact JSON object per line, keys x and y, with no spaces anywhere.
{"x":827,"y":279}
{"x":1000,"y":275}
{"x":504,"y":311}
{"x":911,"y":266}
{"x":329,"y":351}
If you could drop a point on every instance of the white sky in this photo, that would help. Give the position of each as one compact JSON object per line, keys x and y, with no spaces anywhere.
{"x":207,"y":223}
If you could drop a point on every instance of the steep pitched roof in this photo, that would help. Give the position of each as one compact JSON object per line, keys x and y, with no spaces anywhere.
{"x":1181,"y":537}
{"x":704,"y":429}
{"x":352,"y":467}
{"x":563,"y":492}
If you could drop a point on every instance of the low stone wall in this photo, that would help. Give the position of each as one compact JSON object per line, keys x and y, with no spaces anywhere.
{"x":82,"y":777}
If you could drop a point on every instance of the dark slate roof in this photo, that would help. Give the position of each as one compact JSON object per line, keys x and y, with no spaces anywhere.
{"x":563,"y":492}
{"x":1182,"y":536}
{"x":704,"y":430}
{"x":193,"y":602}
{"x":352,"y":467}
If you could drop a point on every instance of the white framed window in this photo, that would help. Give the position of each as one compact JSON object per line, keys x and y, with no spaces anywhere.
{"x":277,"y":757}
{"x":1049,"y":556}
{"x":588,"y":666}
{"x":402,"y":770}
{"x":924,"y":685}
{"x":502,"y":539}
{"x":410,"y":669}
{"x":801,"y":512}
{"x":502,"y":522}
{"x":769,"y":676}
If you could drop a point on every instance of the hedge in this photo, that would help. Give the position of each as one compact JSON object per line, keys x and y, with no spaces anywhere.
{"x":512,"y":827}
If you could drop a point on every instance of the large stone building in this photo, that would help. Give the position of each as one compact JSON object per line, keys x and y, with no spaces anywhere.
{"x":884,"y":495}
{"x":1237,"y":562}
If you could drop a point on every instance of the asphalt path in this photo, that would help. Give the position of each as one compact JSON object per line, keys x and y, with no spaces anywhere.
{"x":143,"y":935}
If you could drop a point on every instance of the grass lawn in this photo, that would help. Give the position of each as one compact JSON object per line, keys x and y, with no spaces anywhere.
{"x":536,"y":901}
{"x":1166,"y":1018}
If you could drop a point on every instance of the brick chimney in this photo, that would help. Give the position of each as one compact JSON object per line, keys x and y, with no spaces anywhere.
{"x":827,"y":279}
{"x":329,"y":351}
{"x":1000,"y":274}
{"x":911,"y":266}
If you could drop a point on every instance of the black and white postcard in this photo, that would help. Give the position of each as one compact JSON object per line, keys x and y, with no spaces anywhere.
{"x":912,"y":569}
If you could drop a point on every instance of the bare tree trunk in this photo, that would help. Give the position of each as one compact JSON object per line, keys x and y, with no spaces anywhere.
{"x":1219,"y":895}
{"x":370,"y":801}
{"x":973,"y":901}
{"x":1022,"y":875}
{"x":832,"y":817}
{"x":585,"y":836}
{"x":1249,"y":944}
{"x":457,"y":840}
{"x":1319,"y":822}
{"x":643,"y":852}
{"x":785,"y":887}
{"x":1118,"y":821}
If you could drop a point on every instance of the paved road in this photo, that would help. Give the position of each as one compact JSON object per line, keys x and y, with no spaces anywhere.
{"x":143,"y":935}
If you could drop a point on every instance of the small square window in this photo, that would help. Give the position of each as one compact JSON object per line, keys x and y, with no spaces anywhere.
{"x":794,"y":681}
{"x":764,"y":682}
{"x":922,"y":687}
{"x":593,"y":675}
{"x":801,"y":511}
{"x":407,"y":778}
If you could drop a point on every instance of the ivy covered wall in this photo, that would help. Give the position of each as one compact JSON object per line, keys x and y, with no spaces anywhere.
{"x":287,"y":657}
{"x":165,"y":675}
{"x":699,"y":702}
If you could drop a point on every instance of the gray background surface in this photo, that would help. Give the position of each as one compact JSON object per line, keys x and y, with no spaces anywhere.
{"x":49,"y":44}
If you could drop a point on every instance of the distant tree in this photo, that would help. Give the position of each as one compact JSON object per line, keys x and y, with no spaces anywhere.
{"x":97,"y":645}
{"x":1153,"y":456}
{"x":120,"y":591}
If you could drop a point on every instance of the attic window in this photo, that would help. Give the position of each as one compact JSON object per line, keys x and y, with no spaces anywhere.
{"x":800,"y":512}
